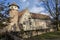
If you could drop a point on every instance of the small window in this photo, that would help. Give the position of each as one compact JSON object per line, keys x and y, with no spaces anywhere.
{"x":29,"y":18}
{"x":11,"y":6}
{"x":24,"y":23}
{"x":30,"y":23}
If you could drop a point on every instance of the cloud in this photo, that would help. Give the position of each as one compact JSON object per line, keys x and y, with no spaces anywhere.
{"x":37,"y":9}
{"x":40,"y":10}
{"x":23,"y":0}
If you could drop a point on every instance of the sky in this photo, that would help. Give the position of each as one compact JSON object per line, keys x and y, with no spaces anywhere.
{"x":33,"y":5}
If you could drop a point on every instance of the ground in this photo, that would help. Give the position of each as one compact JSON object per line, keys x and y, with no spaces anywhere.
{"x":47,"y":36}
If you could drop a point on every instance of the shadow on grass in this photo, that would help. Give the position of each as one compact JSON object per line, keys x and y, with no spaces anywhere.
{"x":46,"y":36}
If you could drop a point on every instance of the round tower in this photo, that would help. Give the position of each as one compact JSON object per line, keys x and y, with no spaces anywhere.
{"x":13,"y":13}
{"x":14,"y":6}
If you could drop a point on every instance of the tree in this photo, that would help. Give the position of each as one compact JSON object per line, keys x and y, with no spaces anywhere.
{"x":54,"y":11}
{"x":3,"y":15}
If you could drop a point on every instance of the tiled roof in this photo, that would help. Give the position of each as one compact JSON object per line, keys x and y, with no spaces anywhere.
{"x":39,"y":16}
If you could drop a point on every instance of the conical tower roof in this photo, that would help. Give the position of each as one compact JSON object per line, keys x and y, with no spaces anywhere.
{"x":13,"y":4}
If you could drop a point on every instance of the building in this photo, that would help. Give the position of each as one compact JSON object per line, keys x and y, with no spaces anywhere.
{"x":26,"y":20}
{"x":13,"y":12}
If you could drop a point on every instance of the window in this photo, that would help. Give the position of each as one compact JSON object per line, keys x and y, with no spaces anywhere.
{"x":24,"y":23}
{"x":12,"y":7}
{"x":29,"y":18}
{"x":30,"y":23}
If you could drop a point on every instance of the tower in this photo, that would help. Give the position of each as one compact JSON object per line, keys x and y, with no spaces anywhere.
{"x":13,"y":12}
{"x":13,"y":6}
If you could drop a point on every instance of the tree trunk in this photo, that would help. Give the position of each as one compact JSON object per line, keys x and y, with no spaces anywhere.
{"x":57,"y":15}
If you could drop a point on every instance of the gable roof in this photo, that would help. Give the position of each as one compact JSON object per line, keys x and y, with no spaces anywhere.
{"x":22,"y":12}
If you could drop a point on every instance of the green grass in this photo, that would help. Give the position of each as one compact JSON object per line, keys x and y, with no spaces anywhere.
{"x":45,"y":36}
{"x":50,"y":35}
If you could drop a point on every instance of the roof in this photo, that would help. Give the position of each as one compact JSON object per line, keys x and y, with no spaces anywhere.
{"x":34,"y":15}
{"x":22,"y":12}
{"x":14,"y":4}
{"x":39,"y":16}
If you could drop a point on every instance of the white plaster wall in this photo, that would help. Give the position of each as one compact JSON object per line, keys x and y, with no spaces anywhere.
{"x":38,"y":23}
{"x":25,"y":17}
{"x":13,"y":20}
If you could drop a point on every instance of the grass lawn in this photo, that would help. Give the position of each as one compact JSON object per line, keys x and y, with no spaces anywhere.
{"x":47,"y":36}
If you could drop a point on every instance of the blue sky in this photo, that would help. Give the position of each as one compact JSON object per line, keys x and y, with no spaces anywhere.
{"x":33,"y":5}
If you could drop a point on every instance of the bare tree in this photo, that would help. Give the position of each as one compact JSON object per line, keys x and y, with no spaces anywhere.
{"x":53,"y":12}
{"x":3,"y":14}
{"x":4,"y":19}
